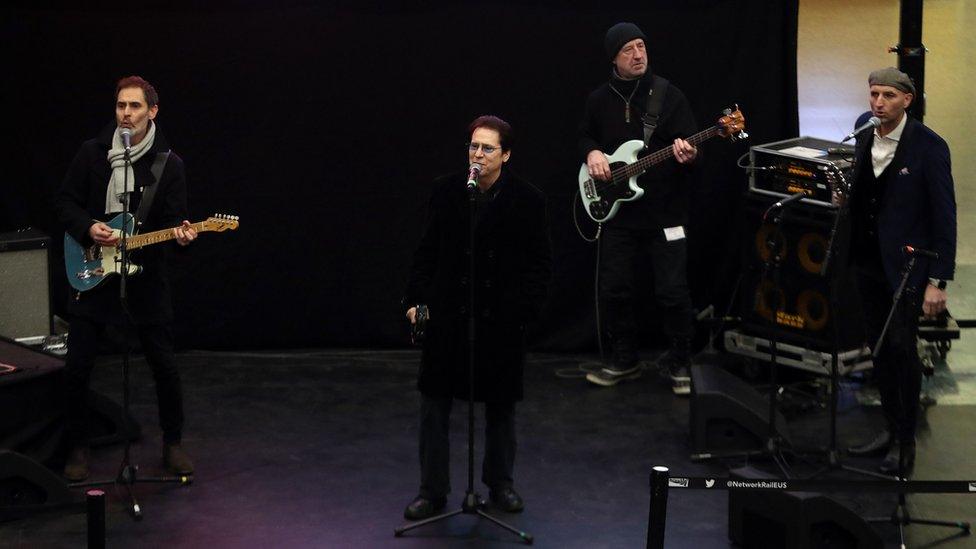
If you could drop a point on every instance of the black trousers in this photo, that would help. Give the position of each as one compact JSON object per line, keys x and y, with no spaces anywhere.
{"x":157,"y":344}
{"x":897,"y":369}
{"x":499,"y":459}
{"x":619,"y":248}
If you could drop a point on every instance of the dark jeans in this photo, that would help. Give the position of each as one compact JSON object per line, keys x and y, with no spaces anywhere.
{"x":619,"y":249}
{"x":499,"y":460}
{"x":897,"y":369}
{"x":157,"y":344}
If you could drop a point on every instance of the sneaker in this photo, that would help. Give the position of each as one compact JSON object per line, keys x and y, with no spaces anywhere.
{"x":608,"y":377}
{"x":76,"y":465}
{"x":680,"y":380}
{"x":176,"y":460}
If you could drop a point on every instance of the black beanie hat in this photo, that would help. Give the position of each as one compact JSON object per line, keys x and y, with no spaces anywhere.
{"x":620,"y":34}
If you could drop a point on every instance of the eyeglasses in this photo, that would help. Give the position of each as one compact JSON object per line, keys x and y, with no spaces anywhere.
{"x":488,"y":149}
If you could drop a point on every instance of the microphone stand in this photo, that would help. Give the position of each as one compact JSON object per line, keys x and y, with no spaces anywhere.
{"x":473,"y":504}
{"x":774,"y":444}
{"x":900,"y":515}
{"x":127,"y":475}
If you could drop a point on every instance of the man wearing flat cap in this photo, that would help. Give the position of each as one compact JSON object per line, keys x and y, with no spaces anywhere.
{"x":617,"y":112}
{"x":902,"y":196}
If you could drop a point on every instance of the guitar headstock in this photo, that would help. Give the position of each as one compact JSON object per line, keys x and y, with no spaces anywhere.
{"x":220,"y":222}
{"x":733,"y":124}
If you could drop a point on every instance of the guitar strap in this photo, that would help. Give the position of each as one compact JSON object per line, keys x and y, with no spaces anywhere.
{"x":655,"y":101}
{"x":149,"y":191}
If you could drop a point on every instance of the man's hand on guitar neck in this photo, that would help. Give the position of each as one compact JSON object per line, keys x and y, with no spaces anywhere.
{"x":684,"y":152}
{"x":102,"y":234}
{"x":185,"y":233}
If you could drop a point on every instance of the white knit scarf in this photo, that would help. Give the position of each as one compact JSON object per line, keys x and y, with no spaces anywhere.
{"x":118,"y":182}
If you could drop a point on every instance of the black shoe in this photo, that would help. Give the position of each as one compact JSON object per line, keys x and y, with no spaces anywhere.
{"x":880,"y":443}
{"x":676,"y":364}
{"x":680,"y":380}
{"x":176,"y":460}
{"x":608,"y":377}
{"x":76,"y":465}
{"x":421,"y":508}
{"x":889,"y":465}
{"x":507,"y":499}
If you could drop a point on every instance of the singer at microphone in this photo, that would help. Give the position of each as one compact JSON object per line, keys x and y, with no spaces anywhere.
{"x":901,"y":192}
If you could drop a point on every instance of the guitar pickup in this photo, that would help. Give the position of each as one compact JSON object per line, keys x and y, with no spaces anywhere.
{"x":590,"y":190}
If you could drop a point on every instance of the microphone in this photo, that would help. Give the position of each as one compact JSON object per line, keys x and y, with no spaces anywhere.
{"x":872,"y":122}
{"x":473,"y":172}
{"x":126,"y":135}
{"x":911,"y":250}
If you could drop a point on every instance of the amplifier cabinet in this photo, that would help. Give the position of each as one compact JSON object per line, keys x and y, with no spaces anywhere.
{"x":808,"y":165}
{"x":25,"y":284}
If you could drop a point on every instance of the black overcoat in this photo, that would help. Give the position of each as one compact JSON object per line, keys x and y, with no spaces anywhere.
{"x":81,"y":202}
{"x":512,"y":271}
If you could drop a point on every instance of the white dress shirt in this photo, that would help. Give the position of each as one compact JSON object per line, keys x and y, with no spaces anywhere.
{"x":883,"y":149}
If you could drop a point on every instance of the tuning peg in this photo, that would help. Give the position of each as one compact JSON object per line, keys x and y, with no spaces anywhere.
{"x":726,"y":112}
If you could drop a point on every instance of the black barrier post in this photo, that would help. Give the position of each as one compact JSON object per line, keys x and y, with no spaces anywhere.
{"x":96,"y":519}
{"x":657,"y":513}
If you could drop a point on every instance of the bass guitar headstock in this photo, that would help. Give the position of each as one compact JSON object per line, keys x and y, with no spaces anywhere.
{"x":220,"y":222}
{"x":733,"y":124}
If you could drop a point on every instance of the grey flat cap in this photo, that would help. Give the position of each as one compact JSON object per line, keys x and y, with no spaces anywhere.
{"x":892,"y":77}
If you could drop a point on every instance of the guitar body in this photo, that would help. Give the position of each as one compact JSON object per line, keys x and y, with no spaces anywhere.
{"x":88,"y":266}
{"x":601,"y":199}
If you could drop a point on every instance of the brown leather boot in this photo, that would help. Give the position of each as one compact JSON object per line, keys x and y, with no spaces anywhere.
{"x":176,"y":460}
{"x":76,"y":465}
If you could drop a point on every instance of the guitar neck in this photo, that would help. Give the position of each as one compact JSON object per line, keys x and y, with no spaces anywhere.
{"x":135,"y":242}
{"x":643,"y":164}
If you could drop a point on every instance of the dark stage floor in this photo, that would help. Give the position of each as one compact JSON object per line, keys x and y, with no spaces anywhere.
{"x":318,"y":449}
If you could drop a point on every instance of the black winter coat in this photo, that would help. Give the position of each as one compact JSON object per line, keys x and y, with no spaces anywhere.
{"x":81,"y":202}
{"x":512,"y":271}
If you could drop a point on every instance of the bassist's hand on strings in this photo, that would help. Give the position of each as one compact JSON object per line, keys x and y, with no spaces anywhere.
{"x":102,"y":234}
{"x":684,"y":152}
{"x":597,"y":165}
{"x":185,"y":233}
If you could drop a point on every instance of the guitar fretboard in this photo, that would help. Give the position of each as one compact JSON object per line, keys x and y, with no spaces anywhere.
{"x":641,"y":166}
{"x":137,"y":241}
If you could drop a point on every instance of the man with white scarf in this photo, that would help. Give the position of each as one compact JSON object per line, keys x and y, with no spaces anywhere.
{"x":93,"y":192}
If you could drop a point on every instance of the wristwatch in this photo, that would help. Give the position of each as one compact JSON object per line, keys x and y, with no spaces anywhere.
{"x":938,"y":283}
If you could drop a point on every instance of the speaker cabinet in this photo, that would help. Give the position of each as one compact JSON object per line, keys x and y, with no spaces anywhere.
{"x":25,"y":485}
{"x":807,"y":300}
{"x":727,"y":415}
{"x":798,"y":520}
{"x":25,"y":293}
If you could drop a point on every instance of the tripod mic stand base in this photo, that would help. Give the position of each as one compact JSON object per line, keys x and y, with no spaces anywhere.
{"x":472,"y":505}
{"x":127,"y":477}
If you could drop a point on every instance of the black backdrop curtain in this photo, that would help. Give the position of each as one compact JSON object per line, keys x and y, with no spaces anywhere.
{"x":323,"y":125}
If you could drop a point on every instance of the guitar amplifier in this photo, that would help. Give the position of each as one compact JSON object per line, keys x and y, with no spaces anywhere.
{"x":25,"y":294}
{"x":819,"y":168}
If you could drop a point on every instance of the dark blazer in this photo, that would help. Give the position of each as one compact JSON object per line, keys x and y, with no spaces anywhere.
{"x":918,"y":207}
{"x":512,"y":271}
{"x":81,"y":201}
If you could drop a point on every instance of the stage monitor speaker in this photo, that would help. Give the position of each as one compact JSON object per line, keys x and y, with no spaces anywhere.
{"x":798,"y":520}
{"x":26,"y":485}
{"x":26,"y":289}
{"x":807,"y":295}
{"x":727,"y":415}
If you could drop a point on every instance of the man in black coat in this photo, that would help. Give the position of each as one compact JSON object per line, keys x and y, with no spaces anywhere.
{"x":512,"y":270}
{"x":655,"y":223}
{"x":903,"y":196}
{"x":92,"y":193}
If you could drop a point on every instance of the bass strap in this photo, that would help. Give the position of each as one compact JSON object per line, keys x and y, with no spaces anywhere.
{"x":655,"y":102}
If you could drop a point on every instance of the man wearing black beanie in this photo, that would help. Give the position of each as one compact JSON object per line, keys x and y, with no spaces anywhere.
{"x":654,"y":224}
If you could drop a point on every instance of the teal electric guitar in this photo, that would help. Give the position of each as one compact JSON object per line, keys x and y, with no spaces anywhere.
{"x":88,"y":266}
